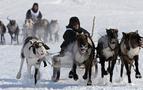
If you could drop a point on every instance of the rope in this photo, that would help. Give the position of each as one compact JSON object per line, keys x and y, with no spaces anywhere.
{"x":49,"y":61}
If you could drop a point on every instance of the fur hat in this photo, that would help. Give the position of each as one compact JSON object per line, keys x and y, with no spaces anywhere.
{"x":73,"y":20}
{"x":35,"y":4}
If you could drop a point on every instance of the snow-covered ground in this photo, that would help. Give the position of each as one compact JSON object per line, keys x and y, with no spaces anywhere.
{"x":125,"y":15}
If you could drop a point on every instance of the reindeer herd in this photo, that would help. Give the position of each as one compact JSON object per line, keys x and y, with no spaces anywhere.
{"x":43,"y":29}
{"x":108,"y":50}
{"x":81,"y":52}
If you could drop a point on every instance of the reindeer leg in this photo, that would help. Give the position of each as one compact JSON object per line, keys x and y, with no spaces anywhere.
{"x":128,"y":72}
{"x":121,"y":72}
{"x":138,"y":74}
{"x":56,"y":37}
{"x":29,"y":70}
{"x":86,"y":72}
{"x":3,"y":39}
{"x":19,"y":72}
{"x":89,"y":72}
{"x":72,"y":73}
{"x":111,"y":69}
{"x":109,"y":66}
{"x":11,"y":38}
{"x":17,"y":38}
{"x":103,"y":71}
{"x":37,"y":73}
{"x":75,"y":76}
{"x":51,"y":37}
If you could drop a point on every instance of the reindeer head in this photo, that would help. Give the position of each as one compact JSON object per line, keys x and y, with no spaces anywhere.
{"x":82,"y":40}
{"x":39,"y":48}
{"x":12,"y":22}
{"x":133,"y":39}
{"x":54,"y":23}
{"x":29,"y":23}
{"x":112,"y":37}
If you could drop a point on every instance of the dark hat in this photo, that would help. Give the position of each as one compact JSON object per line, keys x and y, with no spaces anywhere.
{"x":73,"y":20}
{"x":33,"y":9}
{"x":35,"y":4}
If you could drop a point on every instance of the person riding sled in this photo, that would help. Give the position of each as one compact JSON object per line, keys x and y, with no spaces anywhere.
{"x":34,"y":13}
{"x":70,"y":35}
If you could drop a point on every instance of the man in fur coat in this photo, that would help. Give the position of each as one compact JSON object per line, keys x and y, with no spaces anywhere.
{"x":34,"y":13}
{"x":71,"y":32}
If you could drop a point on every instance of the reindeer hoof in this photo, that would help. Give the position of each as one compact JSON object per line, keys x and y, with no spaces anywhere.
{"x":138,"y":76}
{"x":89,"y":83}
{"x":75,"y":77}
{"x":35,"y":82}
{"x":18,"y":75}
{"x":84,"y":77}
{"x":54,"y":79}
{"x":70,"y":74}
{"x":105,"y":73}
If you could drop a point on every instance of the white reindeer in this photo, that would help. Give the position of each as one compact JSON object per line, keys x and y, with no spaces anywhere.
{"x":28,"y":28}
{"x":40,"y":28}
{"x":53,"y":30}
{"x":34,"y":51}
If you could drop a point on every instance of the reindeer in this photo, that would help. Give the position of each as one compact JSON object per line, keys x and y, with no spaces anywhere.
{"x":2,"y":32}
{"x":129,"y":52}
{"x":40,"y":28}
{"x":28,"y":28}
{"x":34,"y":51}
{"x":79,"y":52}
{"x":53,"y":30}
{"x":13,"y":30}
{"x":107,"y":50}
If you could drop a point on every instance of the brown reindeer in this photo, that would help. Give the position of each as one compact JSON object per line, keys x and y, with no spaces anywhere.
{"x":129,"y":52}
{"x":2,"y":32}
{"x":79,"y":52}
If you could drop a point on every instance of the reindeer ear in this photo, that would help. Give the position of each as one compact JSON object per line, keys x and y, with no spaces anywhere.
{"x":116,"y":30}
{"x":46,"y":47}
{"x":136,"y":31}
{"x":124,"y":34}
{"x":31,"y":41}
{"x":108,"y":31}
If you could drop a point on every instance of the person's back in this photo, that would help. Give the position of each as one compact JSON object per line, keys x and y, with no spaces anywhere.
{"x":34,"y":13}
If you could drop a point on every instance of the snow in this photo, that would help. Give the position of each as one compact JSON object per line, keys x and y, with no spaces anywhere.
{"x":125,"y":15}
